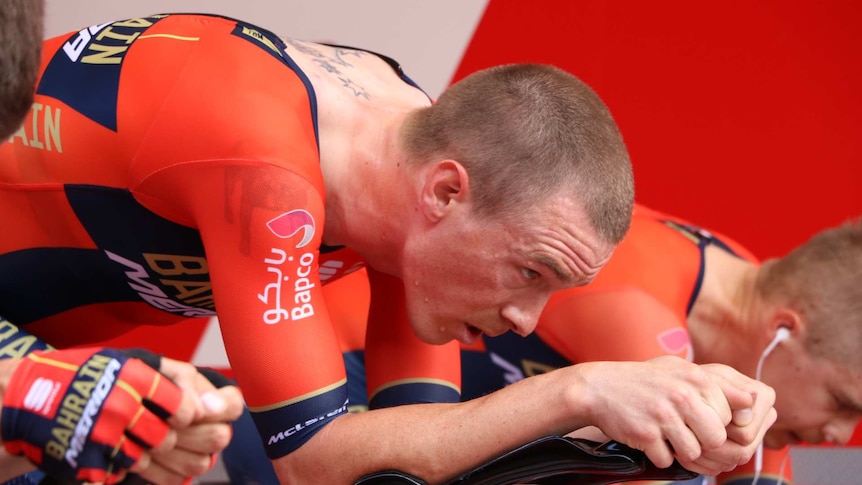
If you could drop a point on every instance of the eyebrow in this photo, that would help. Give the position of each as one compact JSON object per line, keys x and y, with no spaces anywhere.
{"x":561,"y":273}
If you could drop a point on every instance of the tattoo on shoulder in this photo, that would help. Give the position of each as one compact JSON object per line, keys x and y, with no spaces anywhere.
{"x":357,"y":89}
{"x":336,"y":65}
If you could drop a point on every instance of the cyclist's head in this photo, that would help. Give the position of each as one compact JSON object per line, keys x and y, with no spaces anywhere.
{"x":821,"y":281}
{"x":526,"y":133}
{"x":818,"y":379}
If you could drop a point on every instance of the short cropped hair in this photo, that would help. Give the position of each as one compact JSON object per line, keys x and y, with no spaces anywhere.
{"x":21,"y":33}
{"x":822,"y":280}
{"x":524,"y":133}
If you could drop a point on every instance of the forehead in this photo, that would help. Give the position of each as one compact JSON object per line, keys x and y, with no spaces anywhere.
{"x":846,"y":383}
{"x":820,"y":375}
{"x":559,"y":230}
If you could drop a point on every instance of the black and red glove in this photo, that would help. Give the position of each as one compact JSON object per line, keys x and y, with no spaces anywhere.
{"x":86,"y":414}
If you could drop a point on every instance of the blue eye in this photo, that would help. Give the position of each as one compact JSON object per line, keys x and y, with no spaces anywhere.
{"x":530,"y":274}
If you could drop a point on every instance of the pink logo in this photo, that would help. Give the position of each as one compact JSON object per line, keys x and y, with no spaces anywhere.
{"x":290,"y":223}
{"x":676,"y":341}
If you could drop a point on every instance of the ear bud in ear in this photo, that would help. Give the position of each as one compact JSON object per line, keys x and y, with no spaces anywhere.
{"x":780,"y":335}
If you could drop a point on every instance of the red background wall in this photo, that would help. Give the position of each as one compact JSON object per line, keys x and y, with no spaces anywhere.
{"x":742,"y":116}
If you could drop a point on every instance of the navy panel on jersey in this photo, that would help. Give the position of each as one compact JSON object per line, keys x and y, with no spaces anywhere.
{"x":119,"y":223}
{"x":85,"y":72}
{"x":508,"y":358}
{"x":164,"y":262}
{"x":38,"y":283}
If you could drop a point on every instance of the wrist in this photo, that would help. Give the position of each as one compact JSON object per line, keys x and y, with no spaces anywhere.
{"x":7,"y":368}
{"x":579,"y":396}
{"x":151,"y":359}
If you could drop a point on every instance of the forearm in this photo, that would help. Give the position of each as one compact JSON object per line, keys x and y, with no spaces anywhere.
{"x":437,"y":441}
{"x":12,"y":466}
{"x":667,"y":407}
{"x":7,"y":368}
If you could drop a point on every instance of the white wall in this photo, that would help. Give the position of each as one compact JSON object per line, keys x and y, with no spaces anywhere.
{"x":426,"y":37}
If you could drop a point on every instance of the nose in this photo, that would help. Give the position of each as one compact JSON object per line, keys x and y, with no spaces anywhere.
{"x":524,"y":316}
{"x":840,"y":431}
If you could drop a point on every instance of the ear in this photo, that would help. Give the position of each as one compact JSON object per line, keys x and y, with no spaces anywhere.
{"x":785,"y":318}
{"x":446,"y":183}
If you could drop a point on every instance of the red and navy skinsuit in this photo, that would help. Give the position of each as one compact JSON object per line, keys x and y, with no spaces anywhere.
{"x":170,"y":169}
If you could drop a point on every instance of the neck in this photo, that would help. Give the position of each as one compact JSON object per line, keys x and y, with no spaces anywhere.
{"x":360,"y":156}
{"x":367,"y":193}
{"x":724,"y":321}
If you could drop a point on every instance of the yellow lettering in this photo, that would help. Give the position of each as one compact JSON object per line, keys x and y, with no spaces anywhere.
{"x":48,"y":137}
{"x":257,"y":35}
{"x":84,"y":388}
{"x":110,"y":34}
{"x":20,"y":134}
{"x":104,"y":54}
{"x":55,"y":449}
{"x":34,"y":141}
{"x":94,"y":367}
{"x":17,"y":348}
{"x":52,"y":128}
{"x":68,"y":420}
{"x":74,"y":404}
{"x":7,"y":329}
{"x":171,"y":265}
{"x":135,"y":23}
{"x":62,"y":435}
{"x":188,"y":289}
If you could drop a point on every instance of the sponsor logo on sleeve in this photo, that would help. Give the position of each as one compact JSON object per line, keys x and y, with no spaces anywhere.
{"x":677,"y":342}
{"x":290,"y":223}
{"x":186,"y":277}
{"x":285,"y":268}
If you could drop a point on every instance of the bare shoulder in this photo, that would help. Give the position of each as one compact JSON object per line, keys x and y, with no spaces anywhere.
{"x":350,"y":72}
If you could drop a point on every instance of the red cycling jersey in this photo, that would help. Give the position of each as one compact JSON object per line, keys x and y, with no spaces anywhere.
{"x":169,"y":169}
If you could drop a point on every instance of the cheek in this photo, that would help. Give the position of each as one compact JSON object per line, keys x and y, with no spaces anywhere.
{"x":799,"y":410}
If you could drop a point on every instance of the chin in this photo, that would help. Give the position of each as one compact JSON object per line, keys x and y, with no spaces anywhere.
{"x":429,"y":333}
{"x":776,"y":439}
{"x":435,"y":339}
{"x":439,"y":339}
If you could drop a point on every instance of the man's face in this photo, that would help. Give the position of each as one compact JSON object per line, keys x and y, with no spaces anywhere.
{"x":817,"y":400}
{"x":465,"y":276}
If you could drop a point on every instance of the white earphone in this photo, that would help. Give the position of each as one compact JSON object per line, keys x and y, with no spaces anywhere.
{"x":780,"y":335}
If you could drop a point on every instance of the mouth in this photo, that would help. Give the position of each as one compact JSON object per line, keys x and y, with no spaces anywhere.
{"x":779,"y":439}
{"x":792,"y":439}
{"x":470,"y":334}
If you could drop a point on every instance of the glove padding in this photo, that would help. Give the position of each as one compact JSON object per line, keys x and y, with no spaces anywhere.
{"x":86,"y":414}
